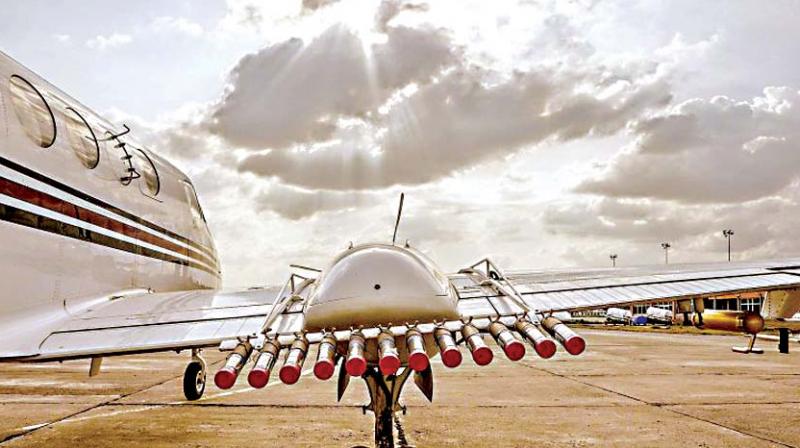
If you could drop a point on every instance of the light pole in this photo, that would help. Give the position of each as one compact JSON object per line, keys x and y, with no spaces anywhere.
{"x":728,"y":233}
{"x":613,"y":258}
{"x":666,"y":247}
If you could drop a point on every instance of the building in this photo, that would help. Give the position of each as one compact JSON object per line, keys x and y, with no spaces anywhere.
{"x":734,"y":302}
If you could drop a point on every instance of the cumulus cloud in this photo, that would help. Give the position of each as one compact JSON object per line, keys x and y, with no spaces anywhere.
{"x":404,"y":104}
{"x":115,"y":40}
{"x":634,"y":221}
{"x":324,"y":126}
{"x":637,"y":227}
{"x":294,"y":92}
{"x":716,"y":150}
{"x":389,"y":9}
{"x":464,"y":118}
{"x":294,"y":203}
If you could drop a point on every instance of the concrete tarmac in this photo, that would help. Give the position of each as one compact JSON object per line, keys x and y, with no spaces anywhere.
{"x":627,"y":389}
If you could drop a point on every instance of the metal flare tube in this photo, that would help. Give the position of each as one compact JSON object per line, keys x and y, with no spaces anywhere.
{"x":388,"y":357}
{"x":544,"y":346}
{"x":259,"y":374}
{"x":512,"y":347}
{"x":417,"y":357}
{"x":481,"y":353}
{"x":323,"y":368}
{"x":571,"y":341}
{"x":356,"y":364}
{"x":290,"y":371}
{"x":225,"y":377}
{"x":451,"y":356}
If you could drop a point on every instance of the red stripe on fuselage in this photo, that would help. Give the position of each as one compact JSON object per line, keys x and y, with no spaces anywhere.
{"x":44,"y":200}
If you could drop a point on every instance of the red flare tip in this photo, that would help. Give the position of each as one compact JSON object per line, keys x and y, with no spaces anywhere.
{"x":514,"y":350}
{"x":225,"y":378}
{"x":482,"y":356}
{"x":575,"y":345}
{"x":451,"y":358}
{"x":418,"y":361}
{"x":389,"y":364}
{"x":546,"y":349}
{"x":289,"y":374}
{"x":356,"y":366}
{"x":258,"y":378}
{"x":323,"y":369}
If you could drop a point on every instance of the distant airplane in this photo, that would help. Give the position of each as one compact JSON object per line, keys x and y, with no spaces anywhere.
{"x":106,"y":252}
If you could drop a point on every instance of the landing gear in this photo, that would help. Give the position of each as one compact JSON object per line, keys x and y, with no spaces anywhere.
{"x":194,"y":377}
{"x":751,"y":347}
{"x":385,"y":394}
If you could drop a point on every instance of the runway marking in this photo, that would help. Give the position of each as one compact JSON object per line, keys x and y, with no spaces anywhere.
{"x":667,"y":407}
{"x":79,"y":417}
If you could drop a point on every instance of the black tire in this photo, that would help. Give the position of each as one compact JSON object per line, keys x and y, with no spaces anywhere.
{"x":194,"y":381}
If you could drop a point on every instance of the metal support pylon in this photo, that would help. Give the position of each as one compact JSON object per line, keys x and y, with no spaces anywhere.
{"x":384,"y":393}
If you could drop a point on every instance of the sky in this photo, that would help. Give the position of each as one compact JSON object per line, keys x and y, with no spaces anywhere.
{"x":545,"y":134}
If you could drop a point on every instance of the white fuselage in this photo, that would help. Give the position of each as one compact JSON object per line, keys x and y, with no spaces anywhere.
{"x":68,"y":231}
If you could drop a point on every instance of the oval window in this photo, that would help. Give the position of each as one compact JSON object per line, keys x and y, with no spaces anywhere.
{"x":146,"y":167}
{"x":33,"y":112}
{"x":82,"y":139}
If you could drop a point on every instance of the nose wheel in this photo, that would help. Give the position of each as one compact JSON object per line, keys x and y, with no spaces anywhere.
{"x":194,"y":378}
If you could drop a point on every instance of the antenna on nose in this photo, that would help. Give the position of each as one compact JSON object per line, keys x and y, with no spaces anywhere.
{"x":399,"y":212}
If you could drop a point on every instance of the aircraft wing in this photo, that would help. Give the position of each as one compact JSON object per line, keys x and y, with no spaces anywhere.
{"x":135,"y":321}
{"x":488,"y":294}
{"x":141,"y":321}
{"x":573,"y":290}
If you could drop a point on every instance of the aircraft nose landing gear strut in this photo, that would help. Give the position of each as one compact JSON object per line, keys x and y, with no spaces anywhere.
{"x":384,"y":393}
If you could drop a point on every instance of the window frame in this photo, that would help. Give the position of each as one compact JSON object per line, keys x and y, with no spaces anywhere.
{"x":44,"y":101}
{"x":189,"y":189}
{"x":155,"y":170}
{"x":91,"y":131}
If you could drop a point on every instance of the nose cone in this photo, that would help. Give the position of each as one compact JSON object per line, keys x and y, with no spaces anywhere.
{"x":376,"y":285}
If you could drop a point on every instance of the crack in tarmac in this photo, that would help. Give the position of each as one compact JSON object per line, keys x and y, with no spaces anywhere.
{"x":667,"y":407}
{"x":75,"y":416}
{"x":138,"y":407}
{"x":115,"y":407}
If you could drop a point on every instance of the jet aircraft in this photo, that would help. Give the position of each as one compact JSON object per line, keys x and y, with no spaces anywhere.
{"x":106,"y":252}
